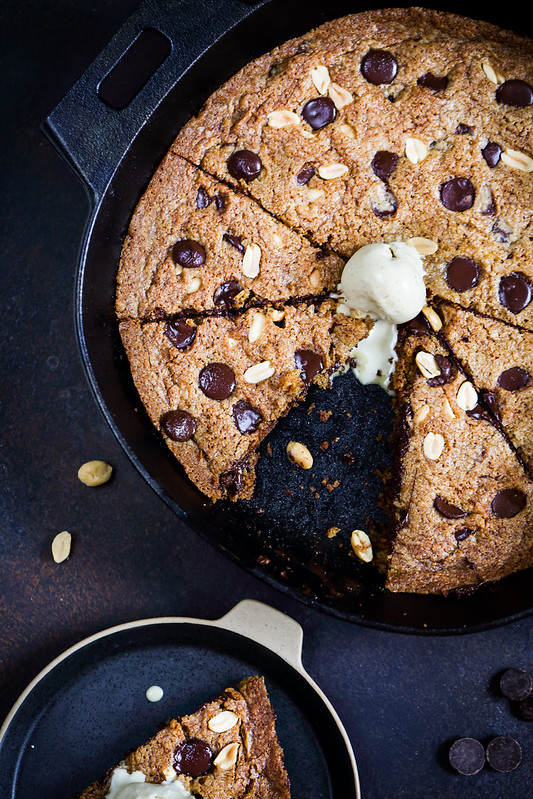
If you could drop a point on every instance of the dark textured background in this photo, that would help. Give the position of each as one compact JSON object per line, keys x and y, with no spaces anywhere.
{"x":402,"y":698}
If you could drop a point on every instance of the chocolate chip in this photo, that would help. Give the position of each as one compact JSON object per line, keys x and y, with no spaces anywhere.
{"x":502,"y":230}
{"x":217,"y":381}
{"x":418,"y":326}
{"x":235,"y":241}
{"x":383,"y":164}
{"x":488,"y":206}
{"x":462,"y":533}
{"x":462,"y":274}
{"x":202,"y":198}
{"x":508,"y":503}
{"x":504,"y":754}
{"x":379,"y":66}
{"x":491,"y":153}
{"x":467,"y":756}
{"x":524,"y":709}
{"x":480,"y":413}
{"x":457,"y":194}
{"x":431,"y":81}
{"x":514,"y":379}
{"x":221,"y":200}
{"x":304,"y":176}
{"x":448,"y":510}
{"x":319,"y":112}
{"x":387,"y":205}
{"x":224,"y":296}
{"x":461,"y":129}
{"x":247,"y":418}
{"x":488,"y":400}
{"x":179,"y":425}
{"x":232,"y":480}
{"x":309,"y":363}
{"x":447,"y":372}
{"x":180,"y":334}
{"x":192,"y":757}
{"x":515,"y":292}
{"x":244,"y":165}
{"x":517,"y":93}
{"x":516,"y":684}
{"x":188,"y":253}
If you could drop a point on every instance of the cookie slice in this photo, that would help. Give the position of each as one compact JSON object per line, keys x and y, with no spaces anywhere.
{"x":463,"y":511}
{"x":228,"y":747}
{"x":216,"y":386}
{"x":499,"y":359}
{"x":194,"y":245}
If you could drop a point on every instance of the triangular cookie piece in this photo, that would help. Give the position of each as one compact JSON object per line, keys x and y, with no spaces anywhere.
{"x":499,"y":359}
{"x":464,"y":505}
{"x":216,"y":386}
{"x":227,"y":748}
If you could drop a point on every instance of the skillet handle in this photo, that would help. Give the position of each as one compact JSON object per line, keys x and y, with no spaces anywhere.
{"x":266,"y":626}
{"x":94,"y":136}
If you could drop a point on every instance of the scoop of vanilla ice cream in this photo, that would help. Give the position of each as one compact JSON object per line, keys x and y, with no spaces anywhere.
{"x":385,"y":281}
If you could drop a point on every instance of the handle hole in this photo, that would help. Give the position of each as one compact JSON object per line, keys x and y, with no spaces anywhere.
{"x":134,"y":68}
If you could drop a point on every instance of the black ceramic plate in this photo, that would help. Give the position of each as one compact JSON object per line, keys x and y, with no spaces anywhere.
{"x":281,"y":534}
{"x":88,"y":708}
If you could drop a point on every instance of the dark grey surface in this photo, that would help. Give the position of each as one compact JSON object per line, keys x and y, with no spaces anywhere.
{"x":402,"y":698}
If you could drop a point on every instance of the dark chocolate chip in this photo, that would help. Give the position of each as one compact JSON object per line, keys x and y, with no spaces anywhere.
{"x":504,"y":754}
{"x":418,"y":326}
{"x":488,"y":207}
{"x":492,"y":153}
{"x":235,"y":241}
{"x":379,"y":66}
{"x":224,"y":296}
{"x":467,"y":756}
{"x":515,"y":92}
{"x":188,"y":253}
{"x":383,"y":164}
{"x":515,"y":292}
{"x":247,"y":418}
{"x":514,"y":379}
{"x":448,"y":510}
{"x":304,"y":176}
{"x":508,"y":503}
{"x":192,"y":757}
{"x":217,"y":381}
{"x":179,"y":425}
{"x":180,"y":333}
{"x":516,"y":684}
{"x":524,"y":709}
{"x":462,"y":533}
{"x":462,"y":274}
{"x":319,"y":112}
{"x":221,"y":201}
{"x":457,"y":194}
{"x":202,"y":198}
{"x":461,"y":129}
{"x":489,"y":401}
{"x":431,"y":81}
{"x":244,"y":165}
{"x":447,"y":372}
{"x":232,"y":480}
{"x":309,"y":363}
{"x":480,"y":413}
{"x":386,"y":208}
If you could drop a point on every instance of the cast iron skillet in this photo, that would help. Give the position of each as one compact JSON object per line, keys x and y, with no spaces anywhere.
{"x":281,"y":534}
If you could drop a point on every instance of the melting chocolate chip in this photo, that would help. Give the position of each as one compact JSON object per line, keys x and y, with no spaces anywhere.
{"x":467,"y":756}
{"x":387,"y":205}
{"x":491,"y":153}
{"x":180,"y":334}
{"x":192,"y":757}
{"x":179,"y":425}
{"x":221,"y":201}
{"x":418,"y":326}
{"x":202,"y":198}
{"x":319,"y":112}
{"x":431,"y":81}
{"x":504,"y":753}
{"x":480,"y":413}
{"x":304,"y":176}
{"x":514,"y":379}
{"x":217,"y":381}
{"x":516,"y":684}
{"x":379,"y":66}
{"x":515,"y":292}
{"x":383,"y":164}
{"x":247,"y":418}
{"x":188,"y":253}
{"x":232,"y":480}
{"x":488,"y":400}
{"x":448,"y":510}
{"x":235,"y":241}
{"x":517,"y":93}
{"x":524,"y":709}
{"x":224,"y":296}
{"x":244,"y":165}
{"x":508,"y":503}
{"x":309,"y":363}
{"x":462,"y":274}
{"x":462,"y":533}
{"x":457,"y":194}
{"x":462,"y":129}
{"x":447,"y":372}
